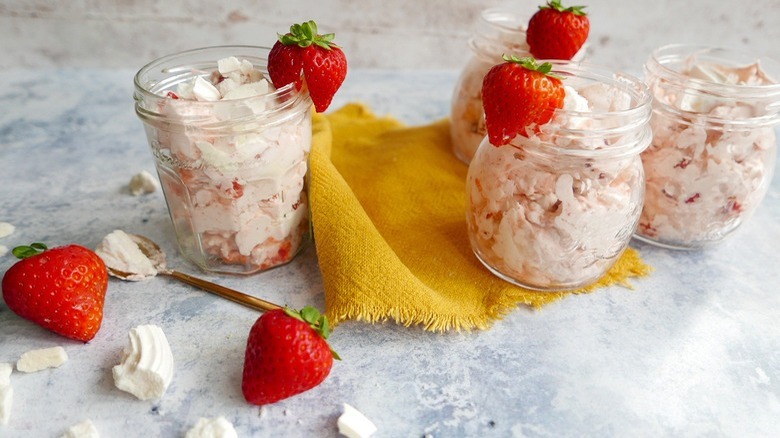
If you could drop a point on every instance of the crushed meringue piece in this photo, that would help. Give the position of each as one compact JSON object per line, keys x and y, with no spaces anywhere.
{"x":212,"y":428}
{"x":3,"y":250}
{"x":353,"y":424}
{"x":142,"y":183}
{"x":205,"y":91}
{"x":37,"y":360}
{"x":6,"y":229}
{"x":120,"y":253}
{"x":146,"y":369}
{"x":6,"y":392}
{"x":85,"y":429}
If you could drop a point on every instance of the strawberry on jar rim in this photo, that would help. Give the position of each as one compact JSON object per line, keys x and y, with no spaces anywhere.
{"x":556,"y":31}
{"x":304,"y":57}
{"x":61,"y":289}
{"x":286,"y":354}
{"x":519,"y":96}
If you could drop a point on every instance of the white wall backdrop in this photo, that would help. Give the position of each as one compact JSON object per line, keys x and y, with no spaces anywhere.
{"x":403,"y":34}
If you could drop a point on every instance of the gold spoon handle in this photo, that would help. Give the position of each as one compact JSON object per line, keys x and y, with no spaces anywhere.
{"x":224,"y":292}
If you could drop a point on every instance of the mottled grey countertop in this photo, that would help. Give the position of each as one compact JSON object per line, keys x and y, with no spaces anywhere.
{"x":693,"y":350}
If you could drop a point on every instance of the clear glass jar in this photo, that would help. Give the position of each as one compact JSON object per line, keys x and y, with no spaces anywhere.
{"x":714,"y":147}
{"x":234,"y":172}
{"x":498,"y":31}
{"x":556,"y":211}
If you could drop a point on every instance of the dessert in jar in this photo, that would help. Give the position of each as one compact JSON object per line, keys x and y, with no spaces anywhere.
{"x":498,"y":31}
{"x":231,"y":153}
{"x":713,"y":151}
{"x":555,"y":209}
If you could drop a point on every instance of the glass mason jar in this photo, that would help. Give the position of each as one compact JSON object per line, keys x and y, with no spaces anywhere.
{"x":498,"y":31}
{"x":234,"y":171}
{"x":713,"y":152}
{"x":555,"y":211}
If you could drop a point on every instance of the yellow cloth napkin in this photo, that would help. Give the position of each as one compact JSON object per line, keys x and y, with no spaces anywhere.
{"x":388,"y":212}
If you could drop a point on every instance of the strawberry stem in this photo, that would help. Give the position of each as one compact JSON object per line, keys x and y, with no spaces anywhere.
{"x":530,"y":63}
{"x":22,"y":252}
{"x":558,"y":6}
{"x":305,"y":34}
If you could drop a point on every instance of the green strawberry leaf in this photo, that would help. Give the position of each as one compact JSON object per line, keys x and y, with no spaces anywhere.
{"x":22,"y":252}
{"x":558,"y":6}
{"x":305,"y":34}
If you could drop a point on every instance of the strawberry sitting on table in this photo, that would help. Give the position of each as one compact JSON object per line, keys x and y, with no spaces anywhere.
{"x":303,"y":56}
{"x":517,"y":95}
{"x":61,"y":289}
{"x":286,"y":354}
{"x":557,"y":32}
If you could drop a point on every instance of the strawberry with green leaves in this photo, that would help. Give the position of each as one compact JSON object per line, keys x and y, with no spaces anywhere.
{"x":304,"y":57}
{"x":286,"y":354}
{"x":61,"y":289}
{"x":518,"y":96}
{"x":557,"y":32}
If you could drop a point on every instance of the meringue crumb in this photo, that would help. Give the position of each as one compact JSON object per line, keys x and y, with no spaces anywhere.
{"x":353,"y":424}
{"x":142,"y":183}
{"x":37,"y":360}
{"x":85,"y":429}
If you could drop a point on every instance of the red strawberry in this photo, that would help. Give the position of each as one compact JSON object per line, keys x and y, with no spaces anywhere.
{"x":517,"y":95}
{"x":61,"y":289}
{"x":305,"y":56}
{"x":286,"y":354}
{"x":557,"y":32}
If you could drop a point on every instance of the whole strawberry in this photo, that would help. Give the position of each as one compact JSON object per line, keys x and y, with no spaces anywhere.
{"x":61,"y":289}
{"x":519,"y":96}
{"x":557,"y":32}
{"x":303,"y":56}
{"x":286,"y":354}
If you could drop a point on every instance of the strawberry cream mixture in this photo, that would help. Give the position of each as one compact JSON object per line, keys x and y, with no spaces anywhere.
{"x":703,"y":179}
{"x":555,"y":222}
{"x":242,"y":193}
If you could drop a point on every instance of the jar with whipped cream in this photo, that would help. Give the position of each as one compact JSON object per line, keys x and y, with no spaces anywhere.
{"x":498,"y":31}
{"x":713,"y":153}
{"x":231,"y":152}
{"x":556,"y":210}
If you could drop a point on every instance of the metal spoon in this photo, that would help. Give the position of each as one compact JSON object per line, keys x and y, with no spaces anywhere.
{"x":156,"y":255}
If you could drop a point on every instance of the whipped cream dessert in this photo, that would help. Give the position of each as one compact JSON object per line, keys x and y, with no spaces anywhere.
{"x":556,"y":211}
{"x":146,"y":369}
{"x":85,"y":429}
{"x":41,"y":359}
{"x":218,"y":427}
{"x":6,"y":392}
{"x":709,"y":166}
{"x":232,"y":156}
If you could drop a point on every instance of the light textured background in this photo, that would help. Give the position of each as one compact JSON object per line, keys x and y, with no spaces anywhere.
{"x":403,"y":34}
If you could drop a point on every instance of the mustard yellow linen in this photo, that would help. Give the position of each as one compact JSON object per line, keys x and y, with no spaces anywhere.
{"x":388,"y":212}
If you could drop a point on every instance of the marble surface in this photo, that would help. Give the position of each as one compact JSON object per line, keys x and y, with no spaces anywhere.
{"x":693,"y":350}
{"x":408,"y":34}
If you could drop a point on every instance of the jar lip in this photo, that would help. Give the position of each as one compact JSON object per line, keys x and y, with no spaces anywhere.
{"x":661,"y":57}
{"x":632,"y":85}
{"x":143,"y":91}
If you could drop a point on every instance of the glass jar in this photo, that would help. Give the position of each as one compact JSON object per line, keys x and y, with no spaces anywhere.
{"x":498,"y":31}
{"x":713,"y":152}
{"x":234,"y":171}
{"x":555,"y":211}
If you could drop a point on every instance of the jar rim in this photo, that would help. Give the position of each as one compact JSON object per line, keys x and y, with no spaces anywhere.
{"x":661,"y":57}
{"x":633,"y":121}
{"x":143,"y":91}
